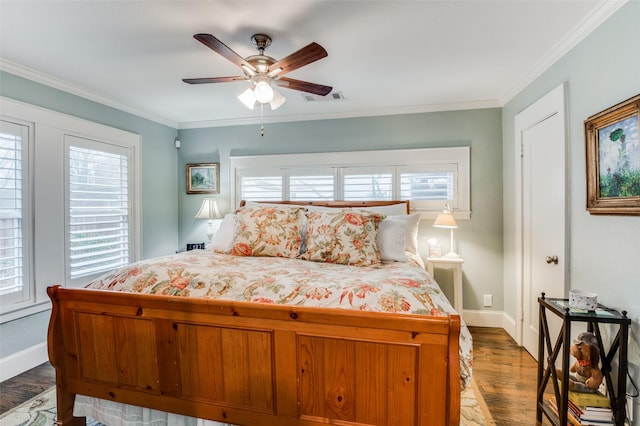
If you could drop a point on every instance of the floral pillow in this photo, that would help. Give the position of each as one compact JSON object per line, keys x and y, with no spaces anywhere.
{"x":268,"y":231}
{"x":344,"y":237}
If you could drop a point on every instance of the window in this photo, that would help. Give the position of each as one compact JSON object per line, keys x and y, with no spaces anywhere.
{"x":429,"y":178}
{"x":69,"y":204}
{"x":262,"y":185}
{"x":98,"y":208}
{"x":15,"y":223}
{"x":367,"y":183}
{"x":312,"y":184}
{"x":427,"y":185}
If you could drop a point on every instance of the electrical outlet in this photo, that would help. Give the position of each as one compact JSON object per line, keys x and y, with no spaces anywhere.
{"x":488,"y":300}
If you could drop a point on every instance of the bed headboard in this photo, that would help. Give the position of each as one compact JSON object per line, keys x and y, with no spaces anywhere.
{"x":338,"y":203}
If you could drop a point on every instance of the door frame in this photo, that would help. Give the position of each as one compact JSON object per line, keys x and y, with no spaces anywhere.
{"x":550,"y":104}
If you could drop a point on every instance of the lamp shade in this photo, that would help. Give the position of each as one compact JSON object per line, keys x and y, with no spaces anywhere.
{"x":277,"y":100}
{"x":445,"y":220}
{"x":248,"y":98}
{"x":208,"y":210}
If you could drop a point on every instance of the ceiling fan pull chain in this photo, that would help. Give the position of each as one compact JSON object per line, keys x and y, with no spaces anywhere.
{"x":261,"y":120}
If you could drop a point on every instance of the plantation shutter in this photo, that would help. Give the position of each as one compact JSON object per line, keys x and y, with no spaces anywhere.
{"x":261,"y":185}
{"x":368,"y":183}
{"x":99,"y":217}
{"x":312,"y":184}
{"x":15,"y":286}
{"x":428,"y":189}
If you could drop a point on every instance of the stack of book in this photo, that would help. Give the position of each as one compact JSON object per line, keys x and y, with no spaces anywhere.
{"x":586,"y":409}
{"x":596,"y":416}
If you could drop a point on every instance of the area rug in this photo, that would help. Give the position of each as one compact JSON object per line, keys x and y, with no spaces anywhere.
{"x":41,"y":410}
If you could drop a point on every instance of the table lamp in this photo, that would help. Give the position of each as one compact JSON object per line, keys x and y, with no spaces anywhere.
{"x":446,"y":220}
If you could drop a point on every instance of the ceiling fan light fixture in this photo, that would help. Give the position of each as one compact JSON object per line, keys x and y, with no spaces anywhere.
{"x":277,"y":101}
{"x":263,"y":92}
{"x":261,"y":70}
{"x":248,"y":98}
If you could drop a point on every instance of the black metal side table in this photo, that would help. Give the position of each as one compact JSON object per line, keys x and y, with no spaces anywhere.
{"x":546,"y":363}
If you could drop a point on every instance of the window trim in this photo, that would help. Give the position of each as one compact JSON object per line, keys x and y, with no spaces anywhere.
{"x":460,"y":156}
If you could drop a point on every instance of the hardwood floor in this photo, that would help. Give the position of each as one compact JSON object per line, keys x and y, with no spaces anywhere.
{"x":504,"y":373}
{"x":506,"y":376}
{"x":25,"y":386}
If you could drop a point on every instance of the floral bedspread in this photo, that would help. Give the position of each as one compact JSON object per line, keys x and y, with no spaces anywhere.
{"x":393,"y":287}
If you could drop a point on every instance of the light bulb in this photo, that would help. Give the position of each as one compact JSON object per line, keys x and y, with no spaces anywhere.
{"x":263,"y":92}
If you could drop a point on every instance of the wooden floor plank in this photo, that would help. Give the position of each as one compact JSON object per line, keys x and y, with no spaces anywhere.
{"x":505,"y":375}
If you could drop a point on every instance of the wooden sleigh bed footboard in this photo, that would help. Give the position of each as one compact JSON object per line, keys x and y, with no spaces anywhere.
{"x":254,"y":364}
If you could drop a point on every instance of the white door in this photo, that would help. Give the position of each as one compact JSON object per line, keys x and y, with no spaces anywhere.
{"x":543,"y":259}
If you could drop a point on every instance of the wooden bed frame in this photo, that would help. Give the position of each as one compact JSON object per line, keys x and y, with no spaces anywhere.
{"x":253,"y":364}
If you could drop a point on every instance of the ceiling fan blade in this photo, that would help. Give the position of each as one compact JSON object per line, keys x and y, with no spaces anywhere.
{"x":304,"y":86}
{"x":212,"y":79}
{"x":219,"y":47}
{"x":308,"y":54}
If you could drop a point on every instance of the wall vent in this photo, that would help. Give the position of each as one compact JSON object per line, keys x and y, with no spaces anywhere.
{"x":333,"y":96}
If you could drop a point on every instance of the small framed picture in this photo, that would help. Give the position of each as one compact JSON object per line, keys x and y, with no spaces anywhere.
{"x":203,"y":178}
{"x":613,"y":159}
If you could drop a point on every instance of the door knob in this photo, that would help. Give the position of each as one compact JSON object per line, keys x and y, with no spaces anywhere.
{"x":551,"y":259}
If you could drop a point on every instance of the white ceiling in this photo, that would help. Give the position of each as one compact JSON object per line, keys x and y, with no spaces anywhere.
{"x":386,"y":57}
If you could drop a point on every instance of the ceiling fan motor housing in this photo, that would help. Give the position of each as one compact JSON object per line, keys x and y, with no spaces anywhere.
{"x":261,"y":41}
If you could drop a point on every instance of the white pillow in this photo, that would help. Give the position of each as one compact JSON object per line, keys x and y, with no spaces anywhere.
{"x":391,"y":240}
{"x":225,"y":235}
{"x":411,"y":222}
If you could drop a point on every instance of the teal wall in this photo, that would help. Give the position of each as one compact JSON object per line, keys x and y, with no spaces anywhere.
{"x":159,"y":183}
{"x":479,"y":240}
{"x":601,"y":71}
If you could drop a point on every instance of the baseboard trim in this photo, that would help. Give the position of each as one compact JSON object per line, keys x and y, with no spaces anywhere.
{"x":22,"y":361}
{"x":484,"y":318}
{"x":509,"y":325}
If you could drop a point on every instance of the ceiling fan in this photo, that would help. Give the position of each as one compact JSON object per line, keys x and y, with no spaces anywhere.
{"x":262,"y":70}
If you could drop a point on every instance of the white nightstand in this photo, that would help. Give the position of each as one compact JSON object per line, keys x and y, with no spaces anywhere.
{"x":454,"y":263}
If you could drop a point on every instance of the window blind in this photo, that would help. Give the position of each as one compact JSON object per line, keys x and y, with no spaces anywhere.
{"x":14,"y":253}
{"x":427,"y":186}
{"x":367,"y":183}
{"x":11,"y":275}
{"x":261,"y":188}
{"x":311,"y":183}
{"x":99,"y":234}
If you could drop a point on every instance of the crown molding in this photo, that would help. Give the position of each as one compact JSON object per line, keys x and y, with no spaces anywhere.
{"x":492,"y":103}
{"x":57,"y":83}
{"x":599,"y":15}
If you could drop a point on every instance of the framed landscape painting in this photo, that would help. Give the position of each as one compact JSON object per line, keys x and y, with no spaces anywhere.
{"x":613,"y":159}
{"x":203,"y":178}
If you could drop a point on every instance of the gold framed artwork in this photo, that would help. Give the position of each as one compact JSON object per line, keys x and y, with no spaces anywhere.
{"x":613,"y":159}
{"x":203,"y":178}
